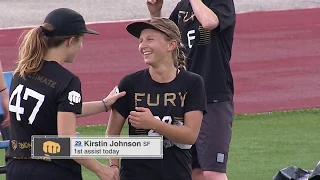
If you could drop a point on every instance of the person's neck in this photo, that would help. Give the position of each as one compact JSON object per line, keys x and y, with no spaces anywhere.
{"x":55,"y":55}
{"x":163,"y":74}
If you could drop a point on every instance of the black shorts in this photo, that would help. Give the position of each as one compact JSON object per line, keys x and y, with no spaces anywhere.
{"x":38,"y":170}
{"x":210,"y":152}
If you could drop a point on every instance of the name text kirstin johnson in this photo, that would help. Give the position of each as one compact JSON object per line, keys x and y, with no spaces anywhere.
{"x":102,"y":143}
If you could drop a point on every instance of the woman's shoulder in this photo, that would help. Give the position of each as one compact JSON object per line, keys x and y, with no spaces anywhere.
{"x":190,"y":76}
{"x":135,"y":77}
{"x":137,"y":74}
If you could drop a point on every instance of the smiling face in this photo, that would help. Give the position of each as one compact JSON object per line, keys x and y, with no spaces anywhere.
{"x":153,"y":47}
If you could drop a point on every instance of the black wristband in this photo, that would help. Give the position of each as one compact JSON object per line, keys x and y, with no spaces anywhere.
{"x":3,"y":89}
{"x":105,"y":105}
{"x":114,"y":165}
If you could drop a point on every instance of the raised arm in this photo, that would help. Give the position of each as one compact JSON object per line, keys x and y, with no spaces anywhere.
{"x":217,"y":13}
{"x":95,"y":107}
{"x":154,"y":7}
{"x":207,"y":18}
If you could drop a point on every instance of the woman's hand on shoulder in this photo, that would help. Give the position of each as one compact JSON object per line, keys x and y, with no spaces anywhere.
{"x":113,"y":96}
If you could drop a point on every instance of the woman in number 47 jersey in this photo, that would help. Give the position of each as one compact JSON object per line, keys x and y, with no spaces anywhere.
{"x":46,"y":98}
{"x":163,"y":99}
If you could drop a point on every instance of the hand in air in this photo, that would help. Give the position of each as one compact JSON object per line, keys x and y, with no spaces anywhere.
{"x":154,"y":5}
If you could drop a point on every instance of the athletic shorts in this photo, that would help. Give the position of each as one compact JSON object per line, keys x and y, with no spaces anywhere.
{"x":210,"y":152}
{"x":38,"y":170}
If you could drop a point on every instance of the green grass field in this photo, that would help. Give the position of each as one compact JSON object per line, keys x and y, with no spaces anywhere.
{"x":262,"y":144}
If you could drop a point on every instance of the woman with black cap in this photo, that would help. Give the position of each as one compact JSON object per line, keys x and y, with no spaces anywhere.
{"x":45,"y":99}
{"x":162,"y":100}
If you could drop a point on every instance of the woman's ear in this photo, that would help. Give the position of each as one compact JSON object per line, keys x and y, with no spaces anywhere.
{"x":72,"y":41}
{"x":172,"y":45}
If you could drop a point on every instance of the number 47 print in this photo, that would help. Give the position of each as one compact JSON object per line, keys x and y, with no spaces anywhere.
{"x":20,"y":110}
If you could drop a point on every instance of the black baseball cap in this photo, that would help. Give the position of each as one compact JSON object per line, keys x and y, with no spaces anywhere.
{"x":67,"y":22}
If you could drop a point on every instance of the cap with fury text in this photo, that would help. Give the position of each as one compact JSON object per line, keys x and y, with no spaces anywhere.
{"x":66,"y":22}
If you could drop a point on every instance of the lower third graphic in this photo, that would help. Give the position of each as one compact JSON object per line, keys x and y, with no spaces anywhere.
{"x":53,"y":147}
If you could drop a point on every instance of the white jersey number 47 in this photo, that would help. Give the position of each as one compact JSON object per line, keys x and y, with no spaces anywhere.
{"x":27,"y":93}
